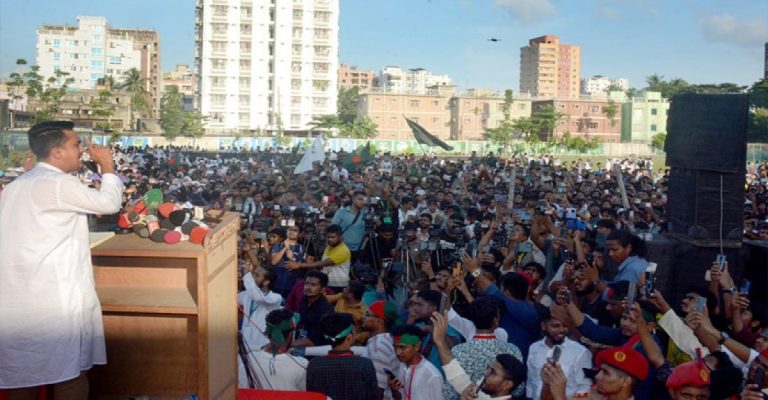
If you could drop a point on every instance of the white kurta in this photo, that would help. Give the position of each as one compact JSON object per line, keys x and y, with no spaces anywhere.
{"x":50,"y":317}
{"x":256,"y":305}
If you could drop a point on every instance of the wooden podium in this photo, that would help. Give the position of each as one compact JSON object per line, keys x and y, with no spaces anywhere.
{"x":170,"y":316}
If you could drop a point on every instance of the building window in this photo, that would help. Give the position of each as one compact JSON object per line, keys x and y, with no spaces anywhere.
{"x":114,"y":60}
{"x":96,"y":76}
{"x":435,"y":120}
{"x":295,"y":119}
{"x":521,"y":106}
{"x":595,"y":109}
{"x":97,"y":51}
{"x":56,"y":68}
{"x":653,"y":127}
{"x":56,"y":56}
{"x":96,"y":39}
{"x":653,"y":111}
{"x":414,"y":103}
{"x":73,"y":56}
{"x":97,"y":64}
{"x":56,"y":43}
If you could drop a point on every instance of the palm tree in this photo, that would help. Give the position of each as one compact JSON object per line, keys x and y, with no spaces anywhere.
{"x":134,"y":84}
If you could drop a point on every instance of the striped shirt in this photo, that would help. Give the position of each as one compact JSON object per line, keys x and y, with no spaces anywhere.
{"x":381,"y":351}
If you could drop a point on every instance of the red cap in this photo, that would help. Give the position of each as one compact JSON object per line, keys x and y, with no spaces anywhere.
{"x":625,"y":359}
{"x":691,"y":373}
{"x":123,"y":222}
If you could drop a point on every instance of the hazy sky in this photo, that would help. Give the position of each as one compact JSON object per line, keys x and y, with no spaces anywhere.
{"x":703,"y":41}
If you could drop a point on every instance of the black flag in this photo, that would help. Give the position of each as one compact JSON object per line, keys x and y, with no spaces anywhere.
{"x":424,"y":137}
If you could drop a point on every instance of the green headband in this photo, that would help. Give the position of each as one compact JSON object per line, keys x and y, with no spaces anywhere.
{"x":407,"y":339}
{"x":276,"y":332}
{"x":341,"y":334}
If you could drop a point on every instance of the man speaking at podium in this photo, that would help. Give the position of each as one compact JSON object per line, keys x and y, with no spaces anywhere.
{"x":51,"y":329}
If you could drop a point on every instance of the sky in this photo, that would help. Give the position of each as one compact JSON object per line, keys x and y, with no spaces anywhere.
{"x":701,"y":41}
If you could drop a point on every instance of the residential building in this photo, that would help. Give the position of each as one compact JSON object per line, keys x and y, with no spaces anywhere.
{"x":185,"y":79}
{"x":765,"y":68}
{"x":431,"y":110}
{"x":549,"y":69}
{"x":393,"y":79}
{"x":92,"y":50}
{"x":585,"y":117}
{"x":648,"y":117}
{"x":350,"y":77}
{"x":474,"y":112}
{"x":77,"y":105}
{"x":601,"y":84}
{"x":266,"y":65}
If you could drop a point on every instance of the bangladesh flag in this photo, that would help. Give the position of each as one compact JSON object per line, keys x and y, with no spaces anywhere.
{"x":424,"y":137}
{"x":361,"y":156}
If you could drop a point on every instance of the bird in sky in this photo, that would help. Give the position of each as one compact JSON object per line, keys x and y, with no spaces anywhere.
{"x":493,"y":39}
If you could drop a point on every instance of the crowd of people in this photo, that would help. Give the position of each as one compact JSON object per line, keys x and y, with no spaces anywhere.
{"x":418,"y":277}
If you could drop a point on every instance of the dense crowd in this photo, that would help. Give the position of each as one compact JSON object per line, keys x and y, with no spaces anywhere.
{"x":417,"y":277}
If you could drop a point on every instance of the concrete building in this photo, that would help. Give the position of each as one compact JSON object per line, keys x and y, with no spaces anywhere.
{"x":549,"y":69}
{"x":186,"y":80}
{"x":393,"y":79}
{"x":432,"y":111}
{"x":765,"y":68}
{"x":585,"y":117}
{"x":648,"y":117}
{"x":350,"y":77}
{"x":92,"y":50}
{"x":600,"y":84}
{"x":76,"y":106}
{"x":474,"y":112}
{"x":266,"y":65}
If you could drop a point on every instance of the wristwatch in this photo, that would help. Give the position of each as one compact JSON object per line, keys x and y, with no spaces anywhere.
{"x":723,"y":337}
{"x":731,"y":290}
{"x":477,"y":272}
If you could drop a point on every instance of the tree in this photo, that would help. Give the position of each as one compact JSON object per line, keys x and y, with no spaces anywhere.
{"x":758,"y":115}
{"x":610,"y":111}
{"x":347,"y":104}
{"x":325,"y":123}
{"x":193,"y":125}
{"x":102,"y":107}
{"x":545,"y":119}
{"x":657,"y":141}
{"x":172,"y":113}
{"x":505,"y":132}
{"x":44,"y":95}
{"x":134,"y":84}
{"x":361,"y":128}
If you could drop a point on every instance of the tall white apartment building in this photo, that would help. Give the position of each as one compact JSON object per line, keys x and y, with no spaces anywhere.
{"x":600,"y":84}
{"x":92,"y":50}
{"x":394,"y":79}
{"x":266,"y":64}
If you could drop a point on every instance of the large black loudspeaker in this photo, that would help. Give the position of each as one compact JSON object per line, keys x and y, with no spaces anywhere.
{"x":706,"y":147}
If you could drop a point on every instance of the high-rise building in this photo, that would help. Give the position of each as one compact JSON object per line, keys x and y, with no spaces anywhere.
{"x":92,"y":50}
{"x":765,"y":69}
{"x":350,"y":77}
{"x":185,"y":79}
{"x":266,"y":65}
{"x":549,"y":69}
{"x":599,"y":84}
{"x":419,"y":81}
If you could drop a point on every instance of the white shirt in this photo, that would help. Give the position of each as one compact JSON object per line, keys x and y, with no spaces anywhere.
{"x":281,"y":372}
{"x":421,"y":381}
{"x":573,"y":359}
{"x":467,"y":328}
{"x":50,"y":317}
{"x":256,"y":305}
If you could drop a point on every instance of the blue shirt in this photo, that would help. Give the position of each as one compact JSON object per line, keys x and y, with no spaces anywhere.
{"x":631,"y":269}
{"x":518,"y":318}
{"x":353,"y":233}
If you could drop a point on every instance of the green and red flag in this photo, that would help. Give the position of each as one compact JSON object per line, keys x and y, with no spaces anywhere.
{"x":361,"y":156}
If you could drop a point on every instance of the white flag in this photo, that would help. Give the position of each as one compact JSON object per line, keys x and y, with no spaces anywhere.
{"x":316,"y":152}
